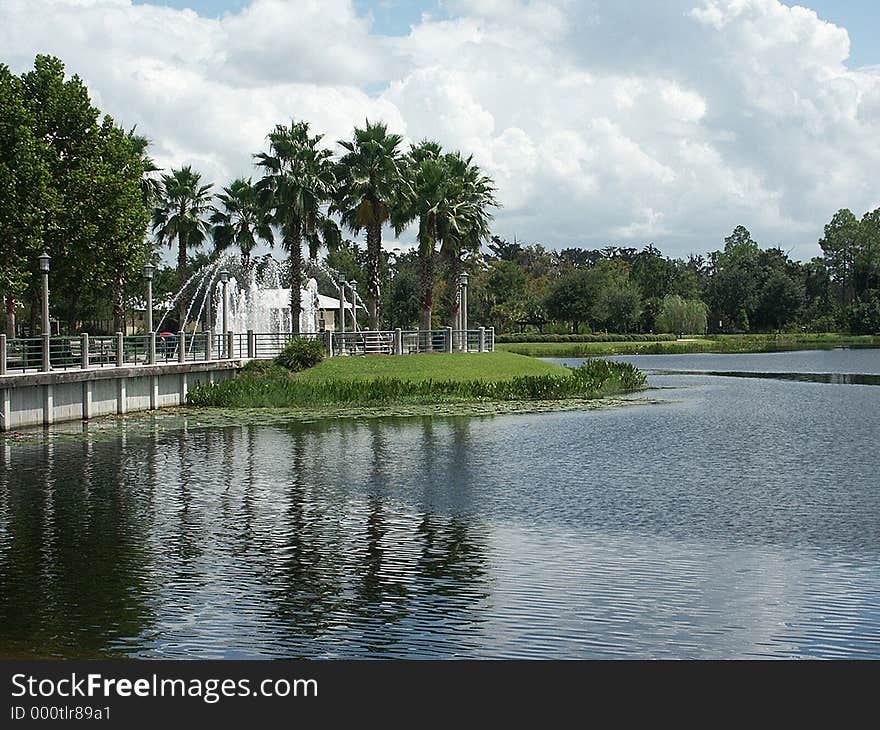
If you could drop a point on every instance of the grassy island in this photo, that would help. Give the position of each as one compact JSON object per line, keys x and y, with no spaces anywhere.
{"x":434,"y":380}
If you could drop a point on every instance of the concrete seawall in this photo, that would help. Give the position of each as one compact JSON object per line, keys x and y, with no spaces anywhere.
{"x":35,"y":399}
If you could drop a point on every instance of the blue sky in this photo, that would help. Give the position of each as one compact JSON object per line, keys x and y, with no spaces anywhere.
{"x":394,"y":17}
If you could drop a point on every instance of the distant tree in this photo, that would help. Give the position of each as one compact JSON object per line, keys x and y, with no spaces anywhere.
{"x":840,"y":244}
{"x":618,"y":306}
{"x":864,"y":314}
{"x":572,"y":298}
{"x":682,"y":316}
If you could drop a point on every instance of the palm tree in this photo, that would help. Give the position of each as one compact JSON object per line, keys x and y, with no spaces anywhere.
{"x":371,"y":184}
{"x":426,"y":202}
{"x":298,"y":181}
{"x":467,"y":220}
{"x":181,"y":214}
{"x":240,"y":222}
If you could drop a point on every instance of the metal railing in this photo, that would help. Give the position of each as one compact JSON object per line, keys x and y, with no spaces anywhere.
{"x":43,"y":354}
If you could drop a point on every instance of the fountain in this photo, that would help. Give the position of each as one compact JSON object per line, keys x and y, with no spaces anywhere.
{"x":257,"y":302}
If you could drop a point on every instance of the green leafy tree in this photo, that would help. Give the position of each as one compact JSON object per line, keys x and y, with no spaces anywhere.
{"x":299,"y":180}
{"x":572,"y":298}
{"x":26,"y":194}
{"x":618,"y":306}
{"x":181,"y":215}
{"x":371,"y":184}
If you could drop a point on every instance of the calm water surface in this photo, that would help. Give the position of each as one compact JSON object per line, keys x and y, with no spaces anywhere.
{"x":740,"y":517}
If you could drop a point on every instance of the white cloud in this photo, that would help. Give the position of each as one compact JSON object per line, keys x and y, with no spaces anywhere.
{"x":602,"y":121}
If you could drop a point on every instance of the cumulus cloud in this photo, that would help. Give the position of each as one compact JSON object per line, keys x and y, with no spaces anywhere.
{"x":602,"y":122}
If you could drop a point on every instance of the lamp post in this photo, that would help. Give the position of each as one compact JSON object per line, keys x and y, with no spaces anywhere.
{"x":224,"y":279}
{"x":44,"y":270}
{"x":342,"y":285}
{"x":354,"y":322}
{"x":148,"y":275}
{"x":463,"y":309}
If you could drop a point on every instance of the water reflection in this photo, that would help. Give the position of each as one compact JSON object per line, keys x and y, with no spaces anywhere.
{"x":738,"y":519}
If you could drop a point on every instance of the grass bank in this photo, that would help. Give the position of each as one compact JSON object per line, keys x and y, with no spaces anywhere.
{"x":710,"y":344}
{"x":420,"y":380}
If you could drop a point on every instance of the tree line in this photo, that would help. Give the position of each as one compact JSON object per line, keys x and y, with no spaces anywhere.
{"x":76,"y":184}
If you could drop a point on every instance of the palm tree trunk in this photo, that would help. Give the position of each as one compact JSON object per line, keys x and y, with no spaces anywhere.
{"x":11,"y":305}
{"x":374,"y":263}
{"x":181,"y":279}
{"x":294,"y":247}
{"x":426,"y":261}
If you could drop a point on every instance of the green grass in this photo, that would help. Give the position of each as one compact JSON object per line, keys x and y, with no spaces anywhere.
{"x":712,"y":343}
{"x":419,"y":380}
{"x":487,"y":366}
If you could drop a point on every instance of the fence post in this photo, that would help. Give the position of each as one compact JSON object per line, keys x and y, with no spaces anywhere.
{"x":85,"y":350}
{"x":151,"y":355}
{"x":448,"y":339}
{"x":181,"y":346}
{"x":230,"y":345}
{"x":328,"y":342}
{"x":251,"y":344}
{"x":209,"y":345}
{"x":398,"y":341}
{"x":482,"y":339}
{"x":120,"y":350}
{"x":491,"y":339}
{"x":46,"y":365}
{"x":2,"y":354}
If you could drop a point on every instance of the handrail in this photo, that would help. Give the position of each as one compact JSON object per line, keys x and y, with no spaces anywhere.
{"x":42,"y":354}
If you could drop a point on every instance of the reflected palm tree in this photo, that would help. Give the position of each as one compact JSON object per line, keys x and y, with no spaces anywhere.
{"x":305,"y":583}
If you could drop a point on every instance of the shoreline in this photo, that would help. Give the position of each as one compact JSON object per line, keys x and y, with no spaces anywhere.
{"x":168,"y":419}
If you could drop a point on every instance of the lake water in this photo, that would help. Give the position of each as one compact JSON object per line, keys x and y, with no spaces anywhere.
{"x":739,"y":517}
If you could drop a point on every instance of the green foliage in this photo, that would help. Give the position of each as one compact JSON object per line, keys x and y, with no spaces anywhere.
{"x":864,"y":314}
{"x":300,"y":354}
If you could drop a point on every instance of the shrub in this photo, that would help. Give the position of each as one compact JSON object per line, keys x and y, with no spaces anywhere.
{"x":300,"y":354}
